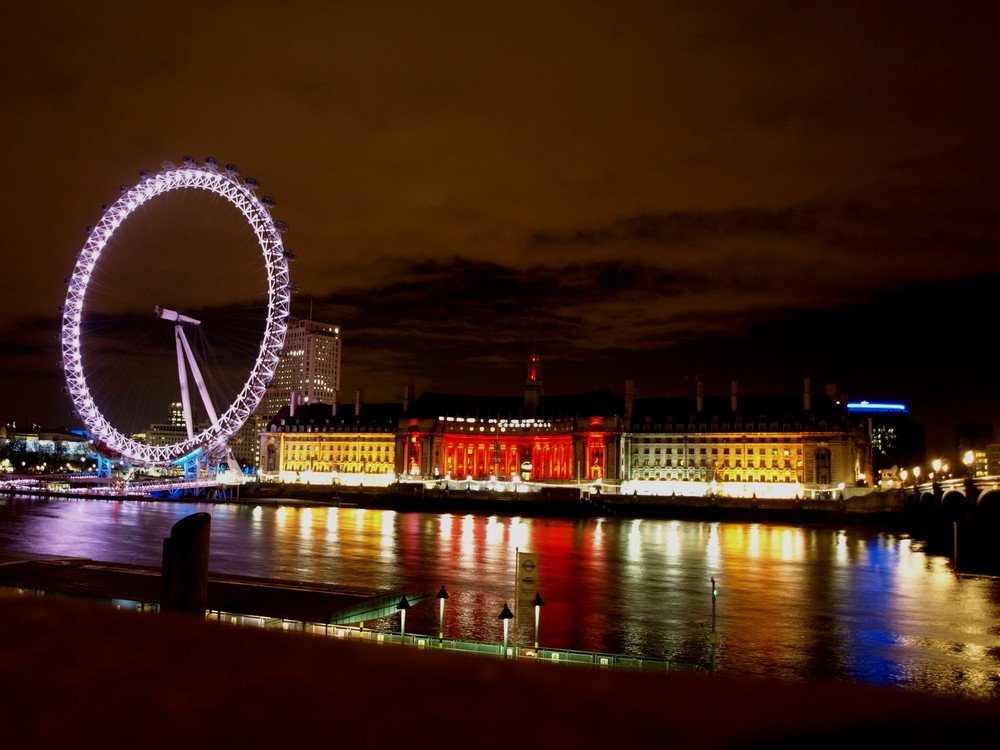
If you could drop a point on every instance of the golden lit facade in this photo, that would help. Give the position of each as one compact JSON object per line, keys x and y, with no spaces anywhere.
{"x":312,"y":445}
{"x":765,"y":447}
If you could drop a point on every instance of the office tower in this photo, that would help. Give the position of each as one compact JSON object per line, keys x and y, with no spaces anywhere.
{"x":309,"y":366}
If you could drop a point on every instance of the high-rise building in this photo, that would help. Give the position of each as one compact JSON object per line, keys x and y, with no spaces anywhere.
{"x":309,"y":366}
{"x":897,"y":441}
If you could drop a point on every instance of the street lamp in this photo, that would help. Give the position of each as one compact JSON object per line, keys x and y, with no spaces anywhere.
{"x":538,"y":608}
{"x":441,"y":595}
{"x":713,"y":637}
{"x":969,"y":459}
{"x":402,"y":607}
{"x":506,"y":616}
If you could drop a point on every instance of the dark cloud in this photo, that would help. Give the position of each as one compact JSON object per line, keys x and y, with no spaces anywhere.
{"x":648,"y":190}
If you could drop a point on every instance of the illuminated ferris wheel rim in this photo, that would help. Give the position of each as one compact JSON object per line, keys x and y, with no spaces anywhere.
{"x":268,"y":232}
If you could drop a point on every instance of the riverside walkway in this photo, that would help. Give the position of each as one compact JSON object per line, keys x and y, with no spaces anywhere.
{"x":280,"y":605}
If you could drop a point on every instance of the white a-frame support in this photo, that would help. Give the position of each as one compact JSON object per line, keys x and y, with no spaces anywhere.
{"x":186,"y":359}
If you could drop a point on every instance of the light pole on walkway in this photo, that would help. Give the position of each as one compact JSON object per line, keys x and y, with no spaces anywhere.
{"x":441,"y":595}
{"x":506,"y":616}
{"x":402,"y":607}
{"x":538,"y":609}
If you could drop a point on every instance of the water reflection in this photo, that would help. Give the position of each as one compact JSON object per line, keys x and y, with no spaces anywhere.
{"x":794,"y":603}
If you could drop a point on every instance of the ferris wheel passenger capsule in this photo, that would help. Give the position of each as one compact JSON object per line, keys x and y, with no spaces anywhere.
{"x":145,"y":174}
{"x":189,"y":161}
{"x":288,"y":254}
{"x":268,"y":201}
{"x":124,"y":188}
{"x":212,"y":163}
{"x":281,"y":226}
{"x":233,"y":170}
{"x":251,"y":183}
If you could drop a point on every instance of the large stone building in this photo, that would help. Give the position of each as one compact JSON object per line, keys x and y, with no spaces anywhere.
{"x":780,"y":446}
{"x":324,"y":444}
{"x":764,"y":446}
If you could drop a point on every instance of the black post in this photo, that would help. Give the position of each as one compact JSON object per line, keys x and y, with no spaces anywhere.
{"x":184,"y":579}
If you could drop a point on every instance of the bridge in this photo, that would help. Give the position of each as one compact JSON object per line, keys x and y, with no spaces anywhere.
{"x":212,"y":486}
{"x":967,"y":498}
{"x":959,"y":518}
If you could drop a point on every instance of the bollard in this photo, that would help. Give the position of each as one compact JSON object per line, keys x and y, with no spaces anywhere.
{"x":184,"y":577}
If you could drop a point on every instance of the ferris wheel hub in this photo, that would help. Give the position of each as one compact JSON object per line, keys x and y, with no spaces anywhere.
{"x":176,"y":317}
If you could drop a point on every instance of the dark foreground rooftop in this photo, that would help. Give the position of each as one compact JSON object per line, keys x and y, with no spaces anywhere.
{"x":84,"y":675}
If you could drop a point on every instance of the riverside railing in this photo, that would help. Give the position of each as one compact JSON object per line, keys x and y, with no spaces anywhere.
{"x":483,"y":648}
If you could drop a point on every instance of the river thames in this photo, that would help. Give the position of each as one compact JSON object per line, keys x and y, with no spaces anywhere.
{"x":853,"y":603}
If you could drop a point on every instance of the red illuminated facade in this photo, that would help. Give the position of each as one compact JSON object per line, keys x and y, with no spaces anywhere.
{"x":539,"y":439}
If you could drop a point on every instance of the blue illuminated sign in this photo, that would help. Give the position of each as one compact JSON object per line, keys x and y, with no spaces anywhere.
{"x":867,"y":406}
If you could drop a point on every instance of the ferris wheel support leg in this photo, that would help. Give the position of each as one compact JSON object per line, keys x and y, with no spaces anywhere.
{"x":234,"y":467}
{"x":191,"y":469}
{"x":181,"y":341}
{"x":104,"y":466}
{"x":196,"y":371}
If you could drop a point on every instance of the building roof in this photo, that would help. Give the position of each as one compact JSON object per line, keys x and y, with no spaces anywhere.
{"x":768,"y":410}
{"x":378,"y":416}
{"x":599,"y":403}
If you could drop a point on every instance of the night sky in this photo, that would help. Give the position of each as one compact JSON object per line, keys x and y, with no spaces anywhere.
{"x":758,"y":192}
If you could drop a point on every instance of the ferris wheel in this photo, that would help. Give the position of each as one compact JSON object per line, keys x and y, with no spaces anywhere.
{"x":153,"y":301}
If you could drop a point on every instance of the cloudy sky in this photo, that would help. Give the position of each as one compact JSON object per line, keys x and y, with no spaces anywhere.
{"x":758,"y":192}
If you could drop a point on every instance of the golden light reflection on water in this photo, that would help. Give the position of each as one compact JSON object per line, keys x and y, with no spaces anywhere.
{"x":305,"y":524}
{"x":713,"y":548}
{"x":673,"y":541}
{"x":468,"y":545}
{"x":520,"y":533}
{"x":635,"y":541}
{"x":332,"y":523}
{"x":445,"y":521}
{"x":494,"y":531}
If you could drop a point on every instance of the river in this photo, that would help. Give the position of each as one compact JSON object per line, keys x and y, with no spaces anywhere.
{"x":852,"y":603}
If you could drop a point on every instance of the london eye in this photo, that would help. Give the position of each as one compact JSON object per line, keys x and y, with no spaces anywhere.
{"x":180,"y":297}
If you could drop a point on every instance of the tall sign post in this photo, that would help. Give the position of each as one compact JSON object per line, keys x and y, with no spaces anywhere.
{"x":525,"y":587}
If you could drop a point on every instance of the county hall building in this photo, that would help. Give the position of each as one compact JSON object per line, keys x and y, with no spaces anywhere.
{"x":741,"y":446}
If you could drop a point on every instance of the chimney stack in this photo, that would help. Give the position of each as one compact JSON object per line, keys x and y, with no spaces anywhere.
{"x":629,"y":401}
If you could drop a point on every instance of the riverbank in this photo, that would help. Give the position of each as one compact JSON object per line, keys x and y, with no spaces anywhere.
{"x":882,"y":509}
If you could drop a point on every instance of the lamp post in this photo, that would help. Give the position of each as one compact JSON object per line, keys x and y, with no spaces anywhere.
{"x":505,"y":616}
{"x":402,"y":607}
{"x":713,"y":637}
{"x":538,"y":609}
{"x":441,"y":595}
